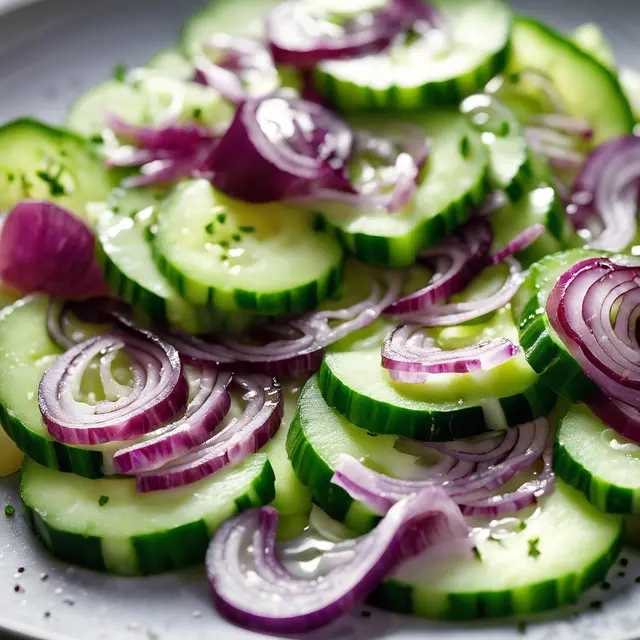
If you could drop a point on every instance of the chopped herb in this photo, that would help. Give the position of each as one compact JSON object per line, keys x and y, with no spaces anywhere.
{"x":247,"y":229}
{"x":221,"y":217}
{"x":236,"y":237}
{"x":606,"y":586}
{"x":373,"y":435}
{"x":56,"y":188}
{"x":224,"y":257}
{"x":522,"y":626}
{"x":514,"y":78}
{"x":621,"y":574}
{"x":97,"y":139}
{"x":465,"y":146}
{"x":596,"y":605}
{"x":493,"y":538}
{"x":44,"y":577}
{"x":20,"y":569}
{"x":11,"y":177}
{"x":119,"y":72}
{"x":9,"y":510}
{"x":476,"y":553}
{"x":197,"y":113}
{"x":158,"y":197}
{"x":534,"y":552}
{"x":102,"y":500}
{"x":624,"y":562}
{"x":64,"y":153}
{"x":504,"y":129}
{"x":224,"y":244}
{"x":522,"y":526}
{"x":210,"y":228}
{"x":47,"y":614}
{"x":26,"y":184}
{"x":638,"y":579}
{"x":115,"y":208}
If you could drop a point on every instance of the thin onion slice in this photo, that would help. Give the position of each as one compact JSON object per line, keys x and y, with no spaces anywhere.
{"x":411,"y":357}
{"x":231,"y":445}
{"x":45,"y":248}
{"x":604,"y":200}
{"x":473,"y":489}
{"x":159,"y":390}
{"x":252,"y":587}
{"x":201,"y":417}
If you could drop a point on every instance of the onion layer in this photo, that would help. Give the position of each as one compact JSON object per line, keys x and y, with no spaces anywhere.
{"x":45,"y":248}
{"x":254,"y":589}
{"x":159,"y":390}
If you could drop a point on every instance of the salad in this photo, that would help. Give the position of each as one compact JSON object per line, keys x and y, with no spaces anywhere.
{"x":338,"y":300}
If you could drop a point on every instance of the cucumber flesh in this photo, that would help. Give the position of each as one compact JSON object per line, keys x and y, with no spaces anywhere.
{"x":576,"y":75}
{"x":544,"y":349}
{"x":598,"y":462}
{"x":575,"y":544}
{"x":106,"y":525}
{"x":441,"y":69}
{"x":456,"y":178}
{"x":172,"y":63}
{"x":541,"y":205}
{"x":451,"y":406}
{"x":42,"y":162}
{"x":229,"y":255}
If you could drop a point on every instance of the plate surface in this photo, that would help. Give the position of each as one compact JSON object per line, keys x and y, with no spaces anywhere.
{"x":49,"y":53}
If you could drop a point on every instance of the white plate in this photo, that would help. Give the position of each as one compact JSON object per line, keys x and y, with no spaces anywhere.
{"x":49,"y":53}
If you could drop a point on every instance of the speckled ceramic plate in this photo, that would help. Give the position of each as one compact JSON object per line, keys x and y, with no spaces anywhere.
{"x":50,"y":52}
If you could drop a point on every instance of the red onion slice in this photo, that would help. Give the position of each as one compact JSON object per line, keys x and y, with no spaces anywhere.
{"x":159,"y":391}
{"x":447,"y":315}
{"x":411,"y":357}
{"x":380,"y":492}
{"x":203,"y":414}
{"x":236,"y":67}
{"x":524,"y":239}
{"x":301,"y":37}
{"x":45,"y":248}
{"x":604,"y":201}
{"x":278,"y":149}
{"x":619,"y":416}
{"x":252,"y":588}
{"x":231,"y":445}
{"x":300,"y":341}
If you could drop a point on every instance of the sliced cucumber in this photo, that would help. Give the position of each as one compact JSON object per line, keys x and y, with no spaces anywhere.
{"x":453,"y":406}
{"x":45,"y":163}
{"x":441,"y":69}
{"x":172,"y":63}
{"x":540,"y":206}
{"x":590,"y":38}
{"x":455,"y":180}
{"x":576,"y":75}
{"x":598,"y":462}
{"x":630,"y":80}
{"x":544,"y":350}
{"x":125,"y":254}
{"x":563,"y":549}
{"x":510,"y":159}
{"x":229,"y":255}
{"x":244,"y":18}
{"x":106,"y":526}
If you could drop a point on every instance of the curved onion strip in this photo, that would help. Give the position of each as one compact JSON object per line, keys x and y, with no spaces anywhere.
{"x":308,"y":336}
{"x":447,"y":315}
{"x":456,"y":261}
{"x":524,"y":239}
{"x":492,"y":448}
{"x":379,"y":492}
{"x":604,"y":201}
{"x":619,"y":416}
{"x":411,"y":361}
{"x":158,"y":393}
{"x":232,"y":444}
{"x":203,"y":414}
{"x":253,"y":588}
{"x":580,"y":308}
{"x":55,"y":320}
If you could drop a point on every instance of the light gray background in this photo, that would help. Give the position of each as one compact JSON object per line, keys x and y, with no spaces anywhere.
{"x":49,"y":53}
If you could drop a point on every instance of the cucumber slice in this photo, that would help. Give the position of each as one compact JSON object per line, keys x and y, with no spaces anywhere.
{"x":544,"y":350}
{"x":45,"y":163}
{"x":125,"y":254}
{"x":540,"y":206}
{"x":455,"y":180}
{"x":576,"y":75}
{"x":171,"y":63}
{"x":630,"y":80}
{"x":575,"y":544}
{"x":598,"y":462}
{"x":106,"y":526}
{"x":510,"y":160}
{"x":589,"y":37}
{"x":442,"y":69}
{"x":452,"y":405}
{"x":229,"y":255}
{"x":244,"y":18}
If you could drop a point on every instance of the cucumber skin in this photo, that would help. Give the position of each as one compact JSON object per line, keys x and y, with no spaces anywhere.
{"x":543,"y":596}
{"x":348,"y":96}
{"x":519,"y":185}
{"x":599,"y":493}
{"x":159,"y":552}
{"x":392,"y":251}
{"x":379,"y":417}
{"x":298,"y":300}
